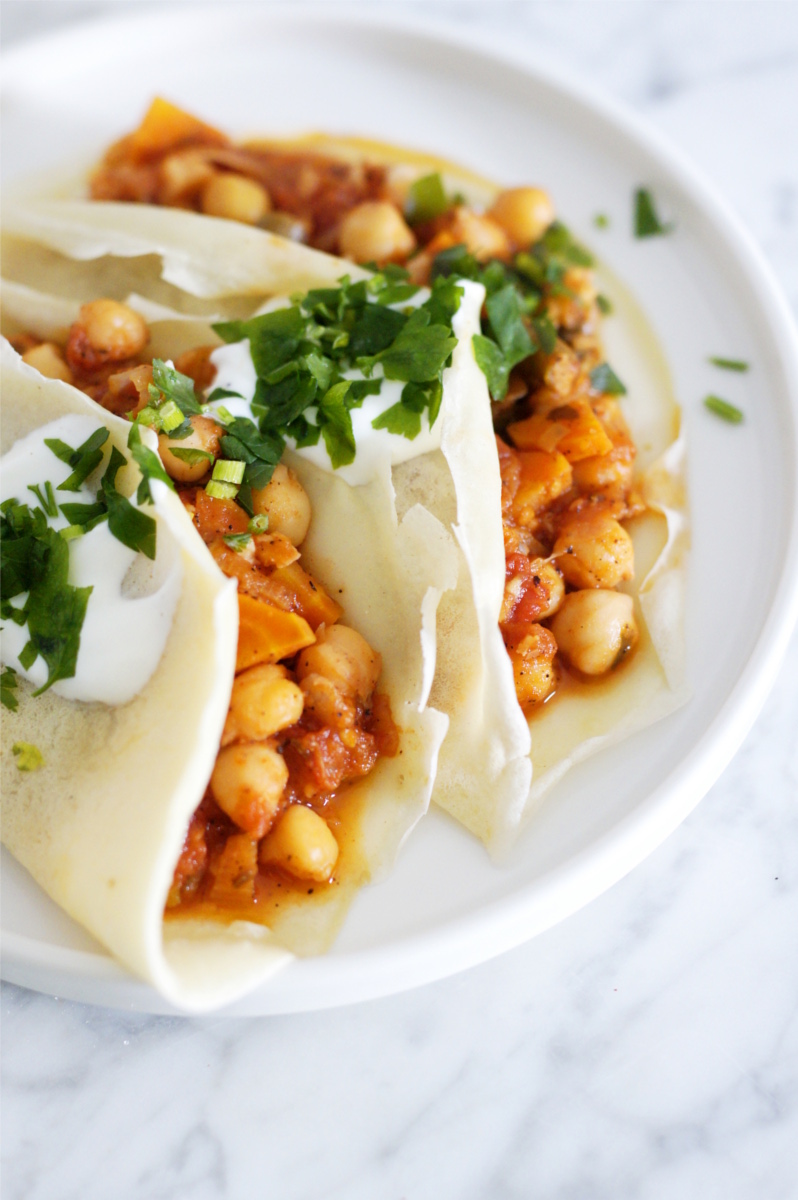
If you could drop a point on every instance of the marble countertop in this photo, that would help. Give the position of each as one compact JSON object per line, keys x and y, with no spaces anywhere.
{"x":645,"y":1049}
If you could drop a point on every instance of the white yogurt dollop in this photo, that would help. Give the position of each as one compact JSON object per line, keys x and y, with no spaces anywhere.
{"x":374,"y":447}
{"x":133,"y":601}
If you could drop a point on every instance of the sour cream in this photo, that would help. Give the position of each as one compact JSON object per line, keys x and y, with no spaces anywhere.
{"x":374,"y":447}
{"x":133,"y":601}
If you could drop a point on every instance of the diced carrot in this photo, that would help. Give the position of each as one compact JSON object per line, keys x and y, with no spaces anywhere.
{"x":311,"y":599}
{"x":267,"y":634}
{"x":166,"y":126}
{"x":216,"y":518}
{"x":573,"y":429}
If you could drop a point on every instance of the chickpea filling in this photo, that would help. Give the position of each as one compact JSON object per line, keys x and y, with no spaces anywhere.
{"x":565,"y":451}
{"x":305,"y":716}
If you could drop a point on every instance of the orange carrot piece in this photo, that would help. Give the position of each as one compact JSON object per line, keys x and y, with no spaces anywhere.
{"x":315,"y":605}
{"x":266,"y":634}
{"x":165,"y":126}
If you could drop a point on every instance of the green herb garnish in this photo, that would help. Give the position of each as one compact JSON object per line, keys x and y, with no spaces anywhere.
{"x":83,"y":461}
{"x":730,"y":364}
{"x":601,"y":221}
{"x":169,"y":385}
{"x":237,"y":541}
{"x":722,"y":408}
{"x":301,"y":354}
{"x":8,"y":689}
{"x":426,"y":200}
{"x":35,"y":560}
{"x":134,"y":528}
{"x":604,"y":304}
{"x":646,"y":221}
{"x":28,"y":756}
{"x":603,"y":379}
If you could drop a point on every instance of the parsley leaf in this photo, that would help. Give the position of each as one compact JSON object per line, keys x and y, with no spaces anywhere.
{"x":170,"y":384}
{"x":148,"y":463}
{"x":134,"y":528}
{"x":646,"y":221}
{"x":604,"y":379}
{"x":84,"y":460}
{"x":8,"y":688}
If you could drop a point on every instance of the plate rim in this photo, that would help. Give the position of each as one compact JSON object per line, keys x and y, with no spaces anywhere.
{"x":414,"y":959}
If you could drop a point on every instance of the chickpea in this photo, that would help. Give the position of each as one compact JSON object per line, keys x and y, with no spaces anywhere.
{"x":525,"y":213}
{"x":205,"y":435}
{"x":264,"y":701}
{"x":593,"y":550}
{"x":375,"y":231}
{"x":301,"y":844}
{"x":285,"y":502}
{"x":327,"y":702}
{"x":595,"y":629}
{"x":341,"y":655}
{"x":236,"y":198}
{"x":48,"y":361}
{"x":248,"y":781}
{"x":114,"y":331}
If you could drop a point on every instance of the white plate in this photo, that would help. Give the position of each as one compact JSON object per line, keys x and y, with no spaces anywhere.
{"x":705,"y":290}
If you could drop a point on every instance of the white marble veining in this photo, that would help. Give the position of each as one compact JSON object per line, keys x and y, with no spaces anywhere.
{"x":647,"y":1048}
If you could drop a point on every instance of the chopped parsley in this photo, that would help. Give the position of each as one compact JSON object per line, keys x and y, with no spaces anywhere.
{"x":601,"y":221}
{"x":516,"y":323}
{"x":34,"y":557}
{"x":35,"y":560}
{"x":28,"y":756}
{"x":604,"y":304}
{"x":604,"y":380}
{"x":303,"y":355}
{"x":725,"y":410}
{"x":730,"y":364}
{"x":8,"y":689}
{"x":646,"y":220}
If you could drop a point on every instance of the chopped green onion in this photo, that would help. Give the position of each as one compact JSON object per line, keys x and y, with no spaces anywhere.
{"x":426,"y":199}
{"x":730,"y":364}
{"x":227,"y":470}
{"x":220,"y":413}
{"x":259,"y":523}
{"x":170,"y":416}
{"x":150,"y":417}
{"x":221,"y":491}
{"x":28,"y":756}
{"x":722,"y":408}
{"x":237,"y":541}
{"x":70,"y":532}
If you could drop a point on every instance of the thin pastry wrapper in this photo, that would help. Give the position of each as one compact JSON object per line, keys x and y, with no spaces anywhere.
{"x":73,"y":822}
{"x":494,"y":764}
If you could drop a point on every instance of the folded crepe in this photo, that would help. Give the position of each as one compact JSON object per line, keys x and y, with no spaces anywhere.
{"x":99,"y":826}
